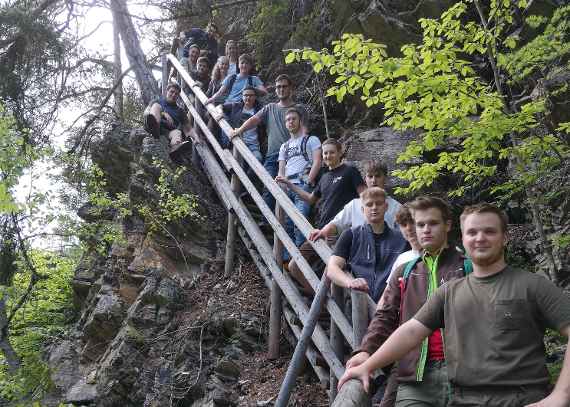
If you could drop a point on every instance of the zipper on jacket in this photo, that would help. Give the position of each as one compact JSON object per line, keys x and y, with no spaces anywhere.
{"x":431,"y":264}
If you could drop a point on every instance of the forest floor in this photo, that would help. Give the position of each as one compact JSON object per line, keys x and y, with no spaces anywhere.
{"x":260,"y":378}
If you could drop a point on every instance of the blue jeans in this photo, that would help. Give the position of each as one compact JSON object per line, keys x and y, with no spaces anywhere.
{"x":271,"y":165}
{"x":305,"y":208}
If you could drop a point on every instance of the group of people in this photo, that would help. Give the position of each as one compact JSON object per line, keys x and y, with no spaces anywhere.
{"x":465,"y":329}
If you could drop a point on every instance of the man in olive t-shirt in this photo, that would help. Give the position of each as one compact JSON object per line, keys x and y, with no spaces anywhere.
{"x":494,"y":322}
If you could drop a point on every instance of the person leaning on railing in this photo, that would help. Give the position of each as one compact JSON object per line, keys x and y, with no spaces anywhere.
{"x":352,"y":215}
{"x":338,"y":186}
{"x":494,"y":319}
{"x":272,"y":116}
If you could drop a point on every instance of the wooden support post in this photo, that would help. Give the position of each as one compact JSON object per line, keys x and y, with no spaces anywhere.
{"x":164,"y":79}
{"x":337,"y":295}
{"x":275,"y":310}
{"x":359,"y":315}
{"x":231,"y":237}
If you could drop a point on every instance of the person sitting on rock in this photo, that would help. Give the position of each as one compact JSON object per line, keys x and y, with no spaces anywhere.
{"x":164,"y":116}
{"x":204,"y":39}
{"x":352,"y":215}
{"x":233,"y":85}
{"x":368,"y":250}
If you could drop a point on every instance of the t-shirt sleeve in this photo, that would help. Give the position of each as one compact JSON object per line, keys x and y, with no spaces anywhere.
{"x":281,"y":152}
{"x":262,"y":114}
{"x":343,"y":219}
{"x":226,"y":81}
{"x":553,"y":304}
{"x":431,"y":313}
{"x":343,"y":245}
{"x":313,"y":143}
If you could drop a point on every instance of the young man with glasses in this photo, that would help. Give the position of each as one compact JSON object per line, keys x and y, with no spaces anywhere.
{"x":239,"y":112}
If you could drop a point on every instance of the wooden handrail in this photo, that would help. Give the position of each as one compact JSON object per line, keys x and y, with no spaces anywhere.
{"x":282,"y":281}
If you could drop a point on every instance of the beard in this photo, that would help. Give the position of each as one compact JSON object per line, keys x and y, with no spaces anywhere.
{"x":488,"y":259}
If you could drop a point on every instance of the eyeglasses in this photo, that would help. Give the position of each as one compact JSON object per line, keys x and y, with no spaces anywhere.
{"x":249,"y":95}
{"x":281,"y":86}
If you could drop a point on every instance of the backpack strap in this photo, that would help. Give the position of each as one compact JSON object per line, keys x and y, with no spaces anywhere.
{"x":409,"y":267}
{"x":467,"y":266}
{"x":231,"y":82}
{"x":304,"y":149}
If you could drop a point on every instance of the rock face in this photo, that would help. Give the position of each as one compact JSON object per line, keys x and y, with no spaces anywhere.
{"x":145,"y":336}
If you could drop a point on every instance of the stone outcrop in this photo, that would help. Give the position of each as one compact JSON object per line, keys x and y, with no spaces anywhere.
{"x":144,"y":337}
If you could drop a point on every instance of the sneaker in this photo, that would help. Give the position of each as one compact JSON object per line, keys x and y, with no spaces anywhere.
{"x":152,"y":126}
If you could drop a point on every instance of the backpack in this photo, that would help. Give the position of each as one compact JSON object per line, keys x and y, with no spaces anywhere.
{"x":467,"y":268}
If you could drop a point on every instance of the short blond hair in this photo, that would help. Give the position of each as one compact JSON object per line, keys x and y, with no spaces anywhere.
{"x":373,"y":192}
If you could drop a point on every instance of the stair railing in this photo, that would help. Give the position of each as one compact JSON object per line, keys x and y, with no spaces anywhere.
{"x":331,"y":349}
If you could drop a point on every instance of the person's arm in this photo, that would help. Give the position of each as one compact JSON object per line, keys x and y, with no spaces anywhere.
{"x":337,"y":275}
{"x":220,"y":92}
{"x":315,"y":168}
{"x":281,"y":170}
{"x":560,"y":396}
{"x":343,"y":220}
{"x":329,"y":230}
{"x":258,"y":85}
{"x":250,"y":123}
{"x":305,"y":196}
{"x":403,"y":340}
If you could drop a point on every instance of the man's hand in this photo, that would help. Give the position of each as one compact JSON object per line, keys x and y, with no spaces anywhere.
{"x":357,"y":360}
{"x":209,"y":100}
{"x":358,"y":373}
{"x":556,"y":399}
{"x":234,"y":133}
{"x":359,"y":284}
{"x":282,"y":179}
{"x":316,"y":234}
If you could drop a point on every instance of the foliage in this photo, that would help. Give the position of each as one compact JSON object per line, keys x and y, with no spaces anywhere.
{"x":40,"y":321}
{"x":433,"y":87}
{"x":16,"y":155}
{"x":171,"y":206}
{"x":543,"y":50}
{"x":269,"y":29}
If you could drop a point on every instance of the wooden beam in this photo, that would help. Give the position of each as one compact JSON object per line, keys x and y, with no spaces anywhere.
{"x":352,"y":394}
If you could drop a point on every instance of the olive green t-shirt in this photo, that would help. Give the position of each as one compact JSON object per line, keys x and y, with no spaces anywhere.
{"x":494,"y":326}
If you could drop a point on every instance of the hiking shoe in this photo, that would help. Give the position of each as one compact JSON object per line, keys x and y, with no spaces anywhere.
{"x":177,"y":151}
{"x":152,"y":126}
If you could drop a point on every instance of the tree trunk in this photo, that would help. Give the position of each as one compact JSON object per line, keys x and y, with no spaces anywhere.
{"x":135,"y":54}
{"x":117,"y":68}
{"x":5,"y":346}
